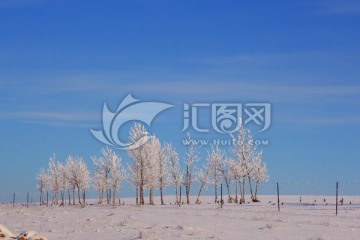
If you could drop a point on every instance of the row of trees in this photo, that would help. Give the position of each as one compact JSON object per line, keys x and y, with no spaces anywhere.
{"x":61,"y":177}
{"x":74,"y":178}
{"x":153,"y":167}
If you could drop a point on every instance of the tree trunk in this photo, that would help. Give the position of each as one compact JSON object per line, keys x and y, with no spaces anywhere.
{"x":187,"y":185}
{"x":187,"y":194}
{"x":69,"y":197}
{"x":250,"y":186}
{"x":151,"y":202}
{"x":74,"y":196}
{"x":56,"y":201}
{"x":176,"y":194}
{"x":114,"y":196}
{"x":79,"y":195}
{"x":215,"y":177}
{"x":198,"y":196}
{"x":119,"y":198}
{"x":236,"y":191}
{"x":84,"y":198}
{"x":110,"y":196}
{"x":228,"y":189}
{"x":56,"y":196}
{"x":142,"y":202}
{"x":215,"y":189}
{"x":242,"y":191}
{"x":256,"y":191}
{"x":137,"y":196}
{"x":107,"y":196}
{"x":62,"y":197}
{"x":161,"y":194}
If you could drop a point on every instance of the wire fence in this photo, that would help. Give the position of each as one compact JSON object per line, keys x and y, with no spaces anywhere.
{"x":310,"y":195}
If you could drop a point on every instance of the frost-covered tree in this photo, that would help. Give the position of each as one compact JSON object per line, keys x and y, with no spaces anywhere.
{"x":54,"y":179}
{"x":151,"y":171}
{"x":99,"y":179}
{"x":244,"y":152}
{"x":60,"y":177}
{"x":259,"y":172}
{"x":83,"y":178}
{"x":191,"y":157}
{"x":215,"y":158}
{"x":138,"y":165}
{"x":107,"y":157}
{"x":176,"y":175}
{"x":103,"y":169}
{"x":78,"y":177}
{"x":63,"y":181}
{"x":70,"y":166}
{"x":117,"y":175}
{"x":163,"y":169}
{"x":203,"y":179}
{"x":134,"y":178}
{"x":42,"y":180}
{"x":224,"y":169}
{"x":235,"y":173}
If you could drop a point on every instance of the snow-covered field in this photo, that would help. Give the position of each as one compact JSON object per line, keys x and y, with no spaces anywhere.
{"x":204,"y":221}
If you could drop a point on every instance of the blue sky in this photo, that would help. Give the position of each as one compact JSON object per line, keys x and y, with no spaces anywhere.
{"x":61,"y":60}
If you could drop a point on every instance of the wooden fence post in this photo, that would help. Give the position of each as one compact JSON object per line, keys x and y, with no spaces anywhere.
{"x":337,"y":195}
{"x":278,"y":196}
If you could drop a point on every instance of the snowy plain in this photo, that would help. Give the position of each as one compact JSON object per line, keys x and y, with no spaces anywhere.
{"x":306,"y":220}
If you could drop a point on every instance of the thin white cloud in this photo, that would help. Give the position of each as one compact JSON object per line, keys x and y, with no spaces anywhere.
{"x":200,"y":88}
{"x":347,"y":120}
{"x":43,"y":116}
{"x":338,"y":7}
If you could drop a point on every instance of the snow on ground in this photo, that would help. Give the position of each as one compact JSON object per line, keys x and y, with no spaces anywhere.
{"x":206,"y":221}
